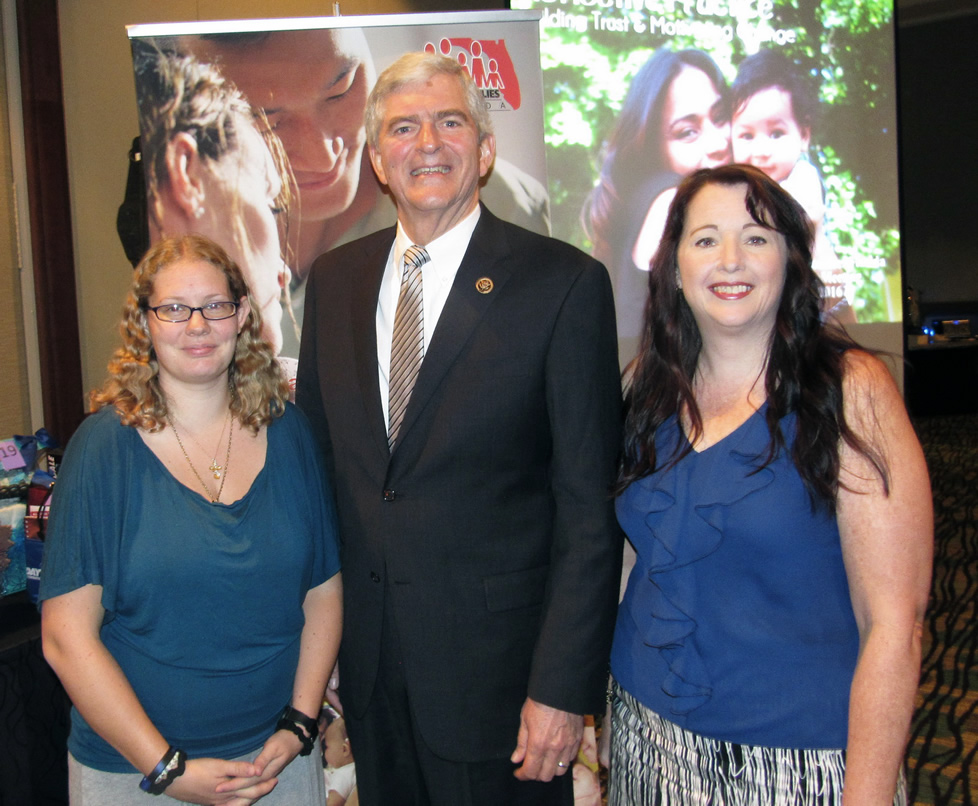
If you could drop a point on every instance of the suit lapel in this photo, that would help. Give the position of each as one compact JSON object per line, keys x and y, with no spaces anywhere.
{"x":487,"y":256}
{"x":364,"y":317}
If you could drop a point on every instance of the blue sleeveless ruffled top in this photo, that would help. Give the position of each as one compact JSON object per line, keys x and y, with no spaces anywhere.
{"x":736,"y":623}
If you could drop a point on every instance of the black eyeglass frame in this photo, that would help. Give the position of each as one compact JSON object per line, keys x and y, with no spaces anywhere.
{"x":190,"y":311}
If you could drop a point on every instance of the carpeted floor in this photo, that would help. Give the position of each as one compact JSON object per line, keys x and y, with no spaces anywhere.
{"x":944,"y":736}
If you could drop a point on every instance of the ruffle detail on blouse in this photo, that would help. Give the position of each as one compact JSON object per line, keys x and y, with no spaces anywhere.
{"x":679,"y":540}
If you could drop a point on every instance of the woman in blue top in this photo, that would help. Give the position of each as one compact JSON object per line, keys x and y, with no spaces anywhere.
{"x":191,"y":587}
{"x":768,"y":645}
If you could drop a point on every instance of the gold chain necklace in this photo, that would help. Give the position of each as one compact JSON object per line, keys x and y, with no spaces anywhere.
{"x":219,"y":473}
{"x":214,"y":467}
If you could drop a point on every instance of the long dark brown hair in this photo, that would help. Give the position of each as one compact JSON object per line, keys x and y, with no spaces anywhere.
{"x":635,"y":154}
{"x":806,"y":357}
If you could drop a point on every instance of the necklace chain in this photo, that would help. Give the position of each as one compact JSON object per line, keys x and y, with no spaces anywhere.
{"x":219,"y":471}
{"x":215,"y":469}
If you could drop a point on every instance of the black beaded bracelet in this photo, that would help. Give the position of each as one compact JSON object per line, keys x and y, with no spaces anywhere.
{"x":171,"y":766}
{"x":307,"y":741}
{"x":305,"y":727}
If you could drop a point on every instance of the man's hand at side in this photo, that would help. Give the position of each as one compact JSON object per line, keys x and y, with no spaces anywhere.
{"x":547,"y":742}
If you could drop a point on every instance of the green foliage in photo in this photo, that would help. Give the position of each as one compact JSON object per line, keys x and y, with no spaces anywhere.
{"x":846,"y":46}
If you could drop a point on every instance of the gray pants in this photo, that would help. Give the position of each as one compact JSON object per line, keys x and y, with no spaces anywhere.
{"x":299,"y":784}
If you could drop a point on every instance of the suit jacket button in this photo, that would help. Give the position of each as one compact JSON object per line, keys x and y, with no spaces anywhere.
{"x":389,"y":495}
{"x":374,"y":576}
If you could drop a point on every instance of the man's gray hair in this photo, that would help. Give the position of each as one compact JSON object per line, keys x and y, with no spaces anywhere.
{"x":417,"y":68}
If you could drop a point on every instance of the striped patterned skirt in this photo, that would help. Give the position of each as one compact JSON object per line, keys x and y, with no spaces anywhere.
{"x":654,"y":762}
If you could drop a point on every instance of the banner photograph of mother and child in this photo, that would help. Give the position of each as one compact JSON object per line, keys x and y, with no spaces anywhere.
{"x":639,"y":93}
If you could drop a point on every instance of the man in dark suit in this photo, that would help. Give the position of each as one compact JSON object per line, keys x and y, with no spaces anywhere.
{"x":480,"y":551}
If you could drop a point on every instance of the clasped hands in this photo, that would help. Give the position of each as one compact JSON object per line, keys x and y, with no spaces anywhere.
{"x":236,"y":783}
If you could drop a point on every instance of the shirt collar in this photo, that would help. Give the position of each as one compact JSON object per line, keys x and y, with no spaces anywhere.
{"x":451,"y":244}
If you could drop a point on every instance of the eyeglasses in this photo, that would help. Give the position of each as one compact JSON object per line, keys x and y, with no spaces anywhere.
{"x":181,"y":313}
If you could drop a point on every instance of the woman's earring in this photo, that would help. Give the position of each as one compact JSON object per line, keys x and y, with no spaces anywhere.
{"x":199,"y":211}
{"x":679,"y":280}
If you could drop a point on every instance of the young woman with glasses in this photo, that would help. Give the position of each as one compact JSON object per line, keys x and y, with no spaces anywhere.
{"x":191,"y":588}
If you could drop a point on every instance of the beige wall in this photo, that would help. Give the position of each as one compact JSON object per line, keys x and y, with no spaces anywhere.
{"x":101,"y":120}
{"x":14,"y":401}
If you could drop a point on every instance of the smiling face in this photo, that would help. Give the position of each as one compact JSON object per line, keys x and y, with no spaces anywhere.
{"x":240,"y":193}
{"x":732,"y":269}
{"x":691,"y":138}
{"x":197,"y":351}
{"x":312,"y":86}
{"x":766,"y":135}
{"x":430,"y":157}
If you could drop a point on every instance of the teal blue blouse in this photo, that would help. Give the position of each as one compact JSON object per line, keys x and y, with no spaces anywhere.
{"x":203,"y":601}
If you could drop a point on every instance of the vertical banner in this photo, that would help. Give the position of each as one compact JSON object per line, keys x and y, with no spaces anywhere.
{"x":639,"y":93}
{"x":252,"y":133}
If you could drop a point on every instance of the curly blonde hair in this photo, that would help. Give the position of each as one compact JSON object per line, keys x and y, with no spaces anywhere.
{"x":258,"y":386}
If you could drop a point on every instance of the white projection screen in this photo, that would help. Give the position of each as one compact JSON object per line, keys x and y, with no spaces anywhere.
{"x":638,"y":93}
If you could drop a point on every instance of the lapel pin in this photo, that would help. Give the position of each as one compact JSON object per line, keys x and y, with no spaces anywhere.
{"x":483,"y":285}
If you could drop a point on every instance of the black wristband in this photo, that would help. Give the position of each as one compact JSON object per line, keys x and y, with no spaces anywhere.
{"x":171,"y":766}
{"x":293,"y":727}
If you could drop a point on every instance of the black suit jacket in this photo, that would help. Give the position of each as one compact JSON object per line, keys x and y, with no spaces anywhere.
{"x":491,"y":524}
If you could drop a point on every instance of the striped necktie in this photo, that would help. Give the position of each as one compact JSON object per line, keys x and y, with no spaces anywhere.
{"x":407,"y":347}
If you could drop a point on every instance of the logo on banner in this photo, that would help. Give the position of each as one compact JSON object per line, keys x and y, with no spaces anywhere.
{"x":490,"y":66}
